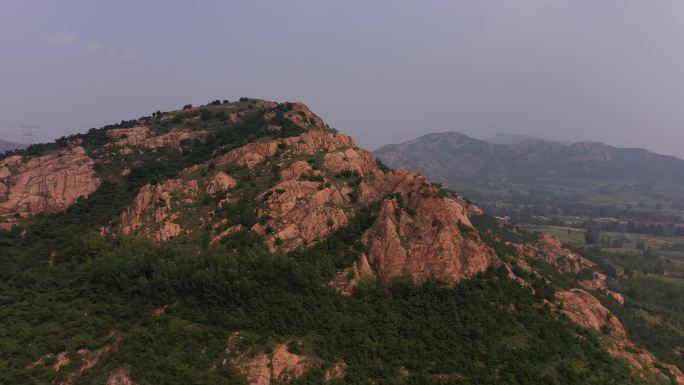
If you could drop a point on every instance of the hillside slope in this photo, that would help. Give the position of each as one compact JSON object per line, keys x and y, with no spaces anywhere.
{"x":248,"y":242}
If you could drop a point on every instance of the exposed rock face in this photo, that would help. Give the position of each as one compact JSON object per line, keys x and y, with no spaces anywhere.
{"x":220,"y":182}
{"x":134,"y":136}
{"x":256,"y":370}
{"x":587,"y":311}
{"x":300,"y":212}
{"x":296,"y":212}
{"x":249,"y":155}
{"x":337,"y":371}
{"x":310,"y":142}
{"x":88,"y":359}
{"x":302,"y":116}
{"x":281,"y":365}
{"x":297,"y":169}
{"x":120,"y":377}
{"x":141,"y":136}
{"x":549,"y":248}
{"x":422,"y":236}
{"x":45,"y":184}
{"x":352,"y":159}
{"x":62,"y":361}
{"x":152,"y":212}
{"x":599,"y":282}
{"x":288,"y":366}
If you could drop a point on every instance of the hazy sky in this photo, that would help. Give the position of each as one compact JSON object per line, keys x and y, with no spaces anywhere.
{"x":381,"y":71}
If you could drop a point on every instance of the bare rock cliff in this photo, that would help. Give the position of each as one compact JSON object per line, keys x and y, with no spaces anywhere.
{"x":153,"y":211}
{"x":45,"y":184}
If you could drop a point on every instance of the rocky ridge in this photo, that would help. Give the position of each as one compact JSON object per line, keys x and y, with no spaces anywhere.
{"x":418,"y":230}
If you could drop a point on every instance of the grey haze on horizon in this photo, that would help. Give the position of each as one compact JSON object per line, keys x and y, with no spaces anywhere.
{"x":382,"y":71}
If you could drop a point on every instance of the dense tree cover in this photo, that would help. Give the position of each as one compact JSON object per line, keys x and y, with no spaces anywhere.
{"x":101,"y":292}
{"x":487,"y":330}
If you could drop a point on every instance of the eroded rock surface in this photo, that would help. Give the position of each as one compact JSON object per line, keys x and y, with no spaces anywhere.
{"x":280,"y":365}
{"x":299,"y":213}
{"x":567,"y":261}
{"x":152,"y":213}
{"x":220,"y":182}
{"x":120,"y":377}
{"x":310,"y":142}
{"x":587,"y":311}
{"x":45,"y":184}
{"x":419,"y":234}
{"x":141,"y":136}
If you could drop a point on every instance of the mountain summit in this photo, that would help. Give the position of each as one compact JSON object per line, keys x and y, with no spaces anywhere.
{"x":249,"y":242}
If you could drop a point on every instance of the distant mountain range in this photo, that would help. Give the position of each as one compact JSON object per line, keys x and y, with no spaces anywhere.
{"x":451,"y":156}
{"x":9,"y":146}
{"x":506,"y":139}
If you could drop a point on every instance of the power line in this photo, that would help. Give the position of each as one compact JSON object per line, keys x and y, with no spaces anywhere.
{"x":28,"y":133}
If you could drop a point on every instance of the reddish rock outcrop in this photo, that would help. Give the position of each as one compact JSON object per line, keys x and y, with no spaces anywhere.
{"x":62,"y":361}
{"x":549,"y":248}
{"x":352,"y":159}
{"x":220,"y":182}
{"x":297,"y":169}
{"x":425,"y":244}
{"x":152,"y":212}
{"x":310,"y":142}
{"x":599,"y":282}
{"x":249,"y":155}
{"x":418,"y":232}
{"x":304,"y":117}
{"x":287,"y":366}
{"x":587,"y":311}
{"x":45,"y":184}
{"x":336,"y":371}
{"x":141,"y":136}
{"x":87,"y":358}
{"x":120,"y":377}
{"x":297,"y":213}
{"x":280,"y":365}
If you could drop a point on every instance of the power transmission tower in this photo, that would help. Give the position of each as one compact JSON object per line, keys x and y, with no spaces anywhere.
{"x":29,"y":133}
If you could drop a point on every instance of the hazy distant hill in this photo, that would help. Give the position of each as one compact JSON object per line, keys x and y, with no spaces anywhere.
{"x":452,"y":156}
{"x":9,"y":146}
{"x":505,"y":138}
